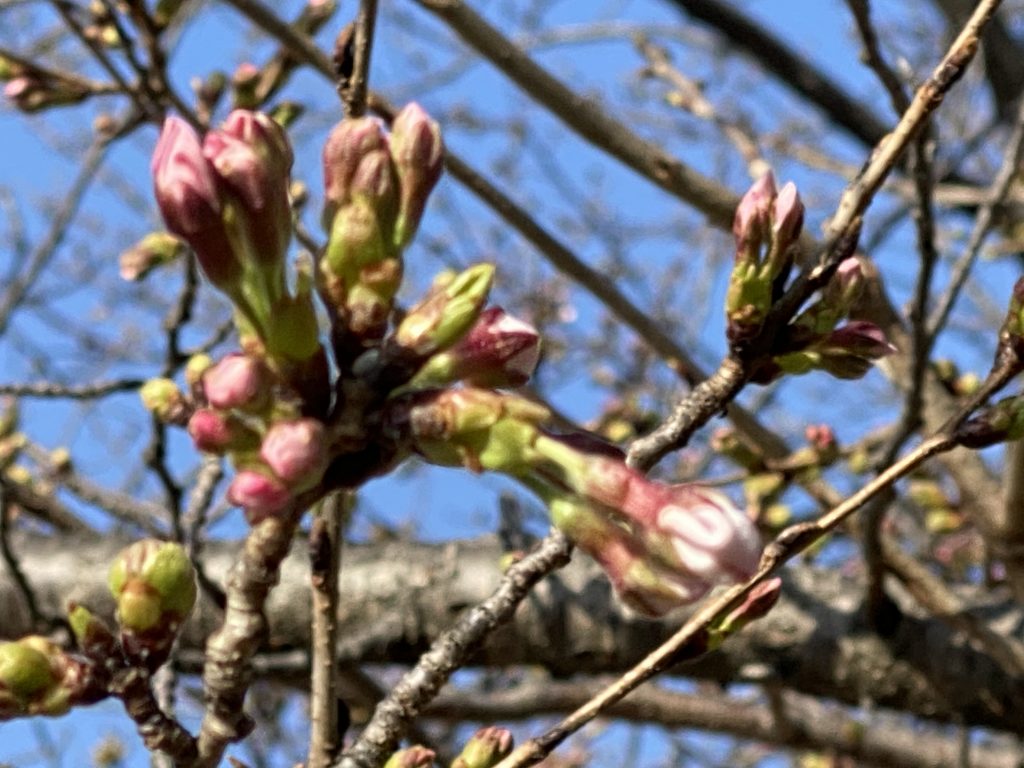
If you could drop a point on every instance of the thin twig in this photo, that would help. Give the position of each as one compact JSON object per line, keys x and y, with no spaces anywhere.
{"x":325,"y":542}
{"x":354,"y":91}
{"x":449,"y":652}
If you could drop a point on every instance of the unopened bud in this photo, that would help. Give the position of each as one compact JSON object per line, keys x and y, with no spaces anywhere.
{"x":787,"y":218}
{"x":752,"y":223}
{"x":218,"y":432}
{"x":163,"y":399}
{"x":196,"y":366}
{"x":1011,"y":335}
{"x":998,"y":423}
{"x":413,"y":757}
{"x":154,"y":585}
{"x":446,"y":313}
{"x":38,"y":678}
{"x":487,"y":747}
{"x":238,"y":381}
{"x":349,"y":142}
{"x":850,"y":351}
{"x":244,"y":81}
{"x":259,"y":494}
{"x":296,"y":452}
{"x":186,"y":192}
{"x":152,"y":251}
{"x":499,"y":351}
{"x":419,"y":159}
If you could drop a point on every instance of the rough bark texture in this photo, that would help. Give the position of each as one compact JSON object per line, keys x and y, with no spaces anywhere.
{"x":396,"y":597}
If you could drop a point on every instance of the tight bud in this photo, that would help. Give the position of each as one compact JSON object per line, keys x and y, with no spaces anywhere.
{"x":217,"y":432}
{"x":296,"y":452}
{"x":38,"y":678}
{"x":487,"y":748}
{"x":349,"y":142}
{"x":419,"y":159}
{"x":260,"y":495}
{"x":499,"y":351}
{"x":154,"y":585}
{"x":238,"y":381}
{"x":164,"y":400}
{"x":152,"y":251}
{"x":447,"y":312}
{"x":413,"y":757}
{"x":186,"y":191}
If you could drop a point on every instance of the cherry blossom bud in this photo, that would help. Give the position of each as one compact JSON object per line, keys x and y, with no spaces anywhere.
{"x":251,"y":156}
{"x":787,"y":217}
{"x":154,"y":585}
{"x":846,"y":286}
{"x":152,"y":251}
{"x":238,"y":381}
{"x":998,"y":423}
{"x":38,"y":678}
{"x":487,"y":747}
{"x":349,"y":142}
{"x":712,"y":540}
{"x":447,"y":312}
{"x":499,"y":351}
{"x":164,"y":400}
{"x":418,"y":151}
{"x":260,"y":495}
{"x":643,"y":583}
{"x":296,"y":452}
{"x":849,"y":351}
{"x":196,"y":366}
{"x":757,"y":604}
{"x":186,"y":191}
{"x":217,"y":432}
{"x":413,"y":757}
{"x":753,"y":220}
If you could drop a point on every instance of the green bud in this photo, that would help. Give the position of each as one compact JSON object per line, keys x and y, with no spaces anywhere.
{"x":154,"y":585}
{"x":196,"y":366}
{"x":447,"y":312}
{"x":163,"y":398}
{"x":413,"y":757}
{"x":487,"y":748}
{"x":154,"y":250}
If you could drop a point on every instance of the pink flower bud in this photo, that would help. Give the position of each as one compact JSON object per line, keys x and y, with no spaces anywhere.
{"x":752,"y":221}
{"x":251,"y":156}
{"x":186,"y":191}
{"x":845,"y":287}
{"x":258,"y":494}
{"x":848,"y":352}
{"x":216,"y":432}
{"x":418,"y":152}
{"x":787,"y":215}
{"x":499,"y":351}
{"x":348,"y":144}
{"x":296,"y":451}
{"x":238,"y":381}
{"x":713,"y":540}
{"x":413,"y":757}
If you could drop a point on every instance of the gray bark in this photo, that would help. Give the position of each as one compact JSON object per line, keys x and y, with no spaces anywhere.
{"x":396,"y":597}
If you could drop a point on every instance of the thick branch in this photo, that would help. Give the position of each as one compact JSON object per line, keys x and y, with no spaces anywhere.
{"x":399,"y":597}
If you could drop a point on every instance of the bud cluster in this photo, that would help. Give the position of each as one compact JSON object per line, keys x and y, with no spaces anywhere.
{"x":662,"y":545}
{"x":227,"y":197}
{"x":376,"y":188}
{"x":767,"y":228}
{"x":31,"y":88}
